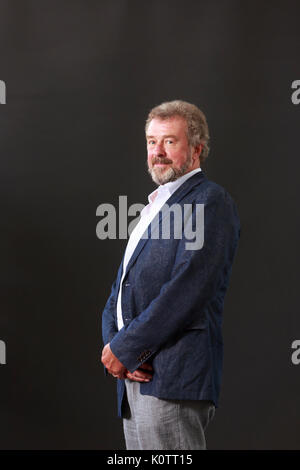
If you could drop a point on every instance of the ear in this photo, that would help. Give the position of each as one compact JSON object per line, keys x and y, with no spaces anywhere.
{"x":198,"y":150}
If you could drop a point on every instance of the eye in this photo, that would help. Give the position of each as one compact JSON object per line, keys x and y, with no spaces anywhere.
{"x":170,"y":141}
{"x":151,"y":142}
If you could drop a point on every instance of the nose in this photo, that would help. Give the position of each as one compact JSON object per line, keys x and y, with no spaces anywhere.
{"x":159,"y":149}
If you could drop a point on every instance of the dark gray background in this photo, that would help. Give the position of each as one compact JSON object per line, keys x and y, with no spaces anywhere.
{"x":81,"y":76}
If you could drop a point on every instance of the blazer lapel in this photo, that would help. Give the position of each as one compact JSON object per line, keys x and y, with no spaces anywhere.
{"x":177,"y":196}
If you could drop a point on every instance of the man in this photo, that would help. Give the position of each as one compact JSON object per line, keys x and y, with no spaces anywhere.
{"x":162,"y":324}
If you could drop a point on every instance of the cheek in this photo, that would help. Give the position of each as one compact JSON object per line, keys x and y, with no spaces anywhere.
{"x":181,"y":157}
{"x":177,"y":158}
{"x":149,"y":157}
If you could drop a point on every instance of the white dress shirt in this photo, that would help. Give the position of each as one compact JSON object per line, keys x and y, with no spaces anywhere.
{"x":156,"y":200}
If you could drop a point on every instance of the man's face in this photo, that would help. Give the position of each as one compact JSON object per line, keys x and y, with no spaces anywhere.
{"x":169,"y":153}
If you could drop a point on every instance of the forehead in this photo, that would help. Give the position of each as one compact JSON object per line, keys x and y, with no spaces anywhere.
{"x":175,"y":125}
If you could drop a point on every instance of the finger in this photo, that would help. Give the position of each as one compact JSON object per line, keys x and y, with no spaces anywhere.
{"x":139,"y":376}
{"x":142,"y":374}
{"x":137,"y":379}
{"x":118,"y":376}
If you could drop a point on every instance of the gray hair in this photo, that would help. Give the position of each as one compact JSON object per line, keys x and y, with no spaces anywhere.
{"x":197,"y":128}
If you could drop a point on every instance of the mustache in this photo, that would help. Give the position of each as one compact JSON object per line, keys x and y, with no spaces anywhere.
{"x":160,"y":160}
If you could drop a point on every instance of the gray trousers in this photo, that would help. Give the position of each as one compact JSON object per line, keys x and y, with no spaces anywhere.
{"x":151,"y":423}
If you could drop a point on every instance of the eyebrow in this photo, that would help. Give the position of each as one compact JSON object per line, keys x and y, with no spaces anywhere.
{"x":164,"y":136}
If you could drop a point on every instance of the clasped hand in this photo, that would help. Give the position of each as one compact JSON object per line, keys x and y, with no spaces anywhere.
{"x":117,"y":369}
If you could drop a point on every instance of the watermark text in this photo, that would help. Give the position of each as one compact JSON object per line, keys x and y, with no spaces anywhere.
{"x":2,"y":92}
{"x":2,"y":352}
{"x":170,"y":222}
{"x":295,"y":357}
{"x":295,"y":97}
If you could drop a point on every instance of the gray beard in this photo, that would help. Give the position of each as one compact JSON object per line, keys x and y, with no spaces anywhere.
{"x":171,"y":174}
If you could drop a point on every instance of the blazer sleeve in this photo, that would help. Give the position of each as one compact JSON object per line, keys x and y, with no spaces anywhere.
{"x":109,"y":320}
{"x":196,"y":278}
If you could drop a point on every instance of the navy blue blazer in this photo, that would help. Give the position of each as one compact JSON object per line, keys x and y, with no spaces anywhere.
{"x":172,"y":301}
